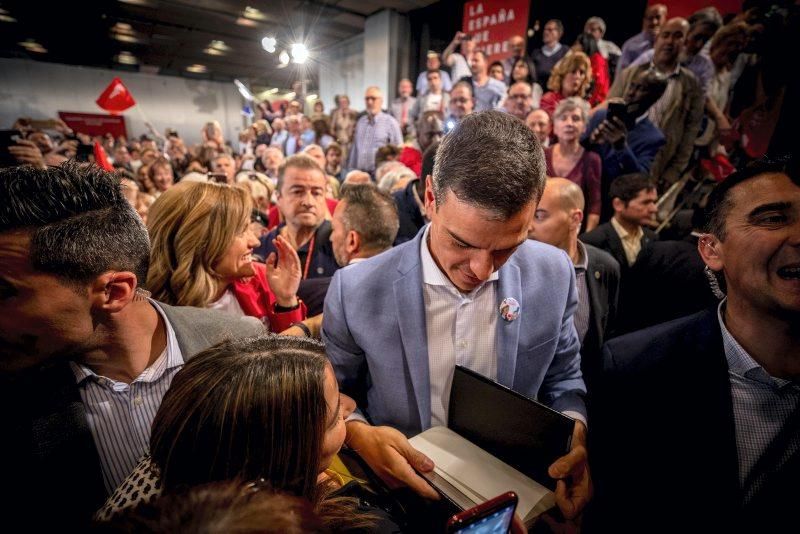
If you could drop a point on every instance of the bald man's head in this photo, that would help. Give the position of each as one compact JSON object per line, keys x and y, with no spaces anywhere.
{"x":558,"y":216}
{"x":670,"y":42}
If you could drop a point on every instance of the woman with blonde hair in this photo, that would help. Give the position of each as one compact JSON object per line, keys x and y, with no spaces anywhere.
{"x":201,"y":255}
{"x":571,"y":76}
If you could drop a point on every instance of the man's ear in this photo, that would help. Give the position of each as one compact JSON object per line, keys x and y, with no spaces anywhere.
{"x":112,"y":291}
{"x":710,"y":249}
{"x":575,"y":219}
{"x":429,"y":200}
{"x":618,"y":204}
{"x":352,"y":242}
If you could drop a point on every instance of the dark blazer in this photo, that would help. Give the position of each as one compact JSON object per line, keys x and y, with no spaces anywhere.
{"x":312,"y":291}
{"x":662,"y":438}
{"x":411,"y":220}
{"x":52,"y":468}
{"x":606,"y":238}
{"x":666,"y":282}
{"x":602,"y":283}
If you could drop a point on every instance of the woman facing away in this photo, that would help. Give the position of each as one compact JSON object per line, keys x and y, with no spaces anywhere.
{"x":201,"y":255}
{"x":264,"y":409}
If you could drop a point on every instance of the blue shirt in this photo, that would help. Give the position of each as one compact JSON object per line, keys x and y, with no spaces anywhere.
{"x":120,"y":414}
{"x":633,"y":48}
{"x":488,"y":96}
{"x":761,"y":406}
{"x":422,"y":82}
{"x":371,"y":134}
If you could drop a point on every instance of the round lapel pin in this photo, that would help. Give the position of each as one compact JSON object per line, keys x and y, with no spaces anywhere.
{"x":509,"y":309}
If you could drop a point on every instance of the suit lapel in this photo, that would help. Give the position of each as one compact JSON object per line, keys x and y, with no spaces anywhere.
{"x":508,"y":285}
{"x":595,"y":303}
{"x":410,"y":310}
{"x":615,"y":244}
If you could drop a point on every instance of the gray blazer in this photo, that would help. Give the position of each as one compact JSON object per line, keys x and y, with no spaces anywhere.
{"x":52,"y":464}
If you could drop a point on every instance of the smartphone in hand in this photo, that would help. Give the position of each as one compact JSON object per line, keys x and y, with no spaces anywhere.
{"x":492,"y":517}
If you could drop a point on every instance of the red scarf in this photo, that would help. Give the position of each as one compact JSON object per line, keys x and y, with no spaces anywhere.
{"x":257,"y":300}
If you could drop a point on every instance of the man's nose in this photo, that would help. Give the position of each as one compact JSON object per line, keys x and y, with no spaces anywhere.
{"x":482,"y":265}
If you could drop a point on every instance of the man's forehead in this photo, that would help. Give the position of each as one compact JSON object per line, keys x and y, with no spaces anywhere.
{"x":15,"y":252}
{"x":763,"y":189}
{"x":294,"y":176}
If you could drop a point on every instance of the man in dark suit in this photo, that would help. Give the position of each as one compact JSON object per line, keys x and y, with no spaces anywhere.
{"x":364,"y":225}
{"x":86,"y":356}
{"x":556,"y":221}
{"x":696,"y":423}
{"x":626,"y":140}
{"x":633,"y":197}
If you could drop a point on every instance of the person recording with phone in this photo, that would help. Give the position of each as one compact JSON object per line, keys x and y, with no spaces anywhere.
{"x":622,"y":135}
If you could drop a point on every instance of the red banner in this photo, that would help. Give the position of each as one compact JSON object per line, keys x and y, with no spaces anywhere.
{"x":684,"y":8}
{"x":94,"y":123}
{"x":492,"y":22}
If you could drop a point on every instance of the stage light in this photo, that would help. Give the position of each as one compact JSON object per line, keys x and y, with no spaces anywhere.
{"x":299,"y":53}
{"x":283,"y":58}
{"x":268,"y":44}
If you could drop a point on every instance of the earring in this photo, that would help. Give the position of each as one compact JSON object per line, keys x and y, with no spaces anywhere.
{"x":713,"y":282}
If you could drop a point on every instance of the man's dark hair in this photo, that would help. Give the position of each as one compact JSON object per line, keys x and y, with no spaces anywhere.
{"x":428,"y":160}
{"x":558,"y":23}
{"x":628,"y":186}
{"x":466,"y":85}
{"x":433,"y":71}
{"x":719,"y":202}
{"x":490,"y":160}
{"x":81,"y":225}
{"x":371,"y":213}
{"x":386,"y":153}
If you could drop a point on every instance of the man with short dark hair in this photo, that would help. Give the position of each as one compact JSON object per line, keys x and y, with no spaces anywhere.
{"x":364,"y":224}
{"x":434,"y":100}
{"x":557,"y":221}
{"x":519,"y":101}
{"x":467,"y":290}
{"x":488,"y":91}
{"x":225,"y":164}
{"x":627,"y":142}
{"x":92,"y":355}
{"x":551,"y":52}
{"x":301,"y":201}
{"x":432,"y":62}
{"x":653,"y":19}
{"x":540,"y":124}
{"x":462,"y":103}
{"x":403,"y":104}
{"x":633,"y":197}
{"x":716,"y":392}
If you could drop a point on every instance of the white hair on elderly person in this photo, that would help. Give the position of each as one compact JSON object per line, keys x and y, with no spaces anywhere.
{"x":385,"y":168}
{"x":357,"y":177}
{"x":396,"y":179}
{"x":570,"y":104}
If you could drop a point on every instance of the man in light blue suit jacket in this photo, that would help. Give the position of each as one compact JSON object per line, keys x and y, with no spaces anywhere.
{"x":469,"y":290}
{"x":374,"y":323}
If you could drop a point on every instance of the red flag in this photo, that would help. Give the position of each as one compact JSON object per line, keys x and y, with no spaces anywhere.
{"x":116,"y":98}
{"x":100,"y":158}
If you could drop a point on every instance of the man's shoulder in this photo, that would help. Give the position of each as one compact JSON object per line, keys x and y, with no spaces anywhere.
{"x":598,"y":257}
{"x":375,"y":269}
{"x":674,"y":340}
{"x":535,"y":256}
{"x":199,"y":328}
{"x":598,"y":236}
{"x":496,"y":85}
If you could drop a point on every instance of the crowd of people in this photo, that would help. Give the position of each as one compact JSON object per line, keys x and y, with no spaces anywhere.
{"x":176,"y":321}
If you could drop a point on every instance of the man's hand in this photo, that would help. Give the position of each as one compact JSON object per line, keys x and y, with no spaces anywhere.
{"x":610,"y":131}
{"x":574,"y":486}
{"x":27,"y":153}
{"x":391,"y":456}
{"x":284,"y":276}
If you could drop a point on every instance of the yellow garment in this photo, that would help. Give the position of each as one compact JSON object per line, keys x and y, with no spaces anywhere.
{"x":339,"y":472}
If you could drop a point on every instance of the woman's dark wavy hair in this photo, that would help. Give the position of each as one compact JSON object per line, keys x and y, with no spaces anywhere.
{"x":252,"y":409}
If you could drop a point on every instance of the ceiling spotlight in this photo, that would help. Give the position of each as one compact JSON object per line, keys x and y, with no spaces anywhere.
{"x":311,"y":97}
{"x":284,"y":58}
{"x":268,"y":43}
{"x":5,"y":16}
{"x":126,"y":58}
{"x":299,"y":53}
{"x":197,"y":68}
{"x":243,"y":90}
{"x":32,"y":46}
{"x":289,"y":96}
{"x":254,"y":14}
{"x":272,"y":91}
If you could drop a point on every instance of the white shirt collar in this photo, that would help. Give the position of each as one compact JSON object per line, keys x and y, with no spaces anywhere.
{"x":549,"y":51}
{"x":431,"y":274}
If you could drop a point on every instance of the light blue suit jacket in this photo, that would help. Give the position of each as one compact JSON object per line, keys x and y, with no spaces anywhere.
{"x":375,"y":333}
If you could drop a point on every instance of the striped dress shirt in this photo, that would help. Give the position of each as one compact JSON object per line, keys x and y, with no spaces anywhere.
{"x":762,"y":405}
{"x":371,"y":134}
{"x":120,"y":414}
{"x":460,"y":327}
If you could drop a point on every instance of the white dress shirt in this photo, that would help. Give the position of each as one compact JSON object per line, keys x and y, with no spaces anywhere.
{"x":460,"y":327}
